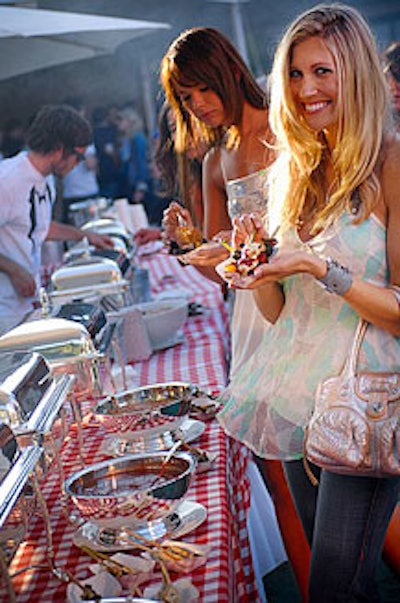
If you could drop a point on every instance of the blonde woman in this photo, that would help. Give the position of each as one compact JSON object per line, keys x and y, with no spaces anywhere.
{"x":339,"y":255}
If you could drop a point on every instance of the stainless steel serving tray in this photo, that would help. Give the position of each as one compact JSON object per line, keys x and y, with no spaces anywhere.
{"x":86,"y":271}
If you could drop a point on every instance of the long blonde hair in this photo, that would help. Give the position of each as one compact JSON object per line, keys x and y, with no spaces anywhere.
{"x":362,"y":117}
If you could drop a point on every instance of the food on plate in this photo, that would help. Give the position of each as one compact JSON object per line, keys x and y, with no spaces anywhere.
{"x":187,"y":238}
{"x":245,"y":259}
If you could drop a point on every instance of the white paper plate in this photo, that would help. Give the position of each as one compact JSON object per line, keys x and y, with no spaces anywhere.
{"x":188,"y":516}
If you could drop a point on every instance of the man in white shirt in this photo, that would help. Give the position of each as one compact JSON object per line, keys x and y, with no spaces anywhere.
{"x":56,"y":141}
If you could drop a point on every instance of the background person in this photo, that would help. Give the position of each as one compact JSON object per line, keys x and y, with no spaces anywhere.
{"x":56,"y":141}
{"x":391,"y":67}
{"x":80,"y":184}
{"x":133,"y":152}
{"x":339,"y":200}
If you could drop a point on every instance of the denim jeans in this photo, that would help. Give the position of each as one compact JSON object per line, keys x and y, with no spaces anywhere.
{"x":345,"y":519}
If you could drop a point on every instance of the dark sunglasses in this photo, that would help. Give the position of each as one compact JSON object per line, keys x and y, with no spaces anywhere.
{"x":80,"y":156}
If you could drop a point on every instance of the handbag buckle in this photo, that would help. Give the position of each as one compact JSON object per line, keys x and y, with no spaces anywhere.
{"x":376,"y":409}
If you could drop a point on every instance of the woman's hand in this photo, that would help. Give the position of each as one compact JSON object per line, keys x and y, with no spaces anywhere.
{"x":247,"y":227}
{"x":146,"y":235}
{"x":207,"y":254}
{"x":174,"y":217}
{"x":284,"y":263}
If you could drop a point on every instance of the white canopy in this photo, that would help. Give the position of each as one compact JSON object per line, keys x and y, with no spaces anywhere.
{"x":32,"y":39}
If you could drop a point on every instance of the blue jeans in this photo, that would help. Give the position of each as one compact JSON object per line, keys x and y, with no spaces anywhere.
{"x":345,"y":519}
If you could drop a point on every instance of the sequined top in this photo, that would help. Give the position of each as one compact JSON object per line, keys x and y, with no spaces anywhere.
{"x":270,"y":399}
{"x":246,"y":195}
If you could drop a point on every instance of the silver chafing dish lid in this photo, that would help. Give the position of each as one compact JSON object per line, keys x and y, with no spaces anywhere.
{"x":86,"y":272}
{"x":55,"y":338}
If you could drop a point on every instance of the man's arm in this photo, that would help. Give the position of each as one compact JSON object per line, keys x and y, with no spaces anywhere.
{"x":66,"y":232}
{"x":21,"y":279}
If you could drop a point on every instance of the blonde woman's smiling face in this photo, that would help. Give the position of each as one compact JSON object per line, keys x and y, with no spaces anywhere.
{"x":314,"y":84}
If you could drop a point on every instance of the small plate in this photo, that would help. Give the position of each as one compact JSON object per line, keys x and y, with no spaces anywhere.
{"x":115,"y":446}
{"x":188,"y":516}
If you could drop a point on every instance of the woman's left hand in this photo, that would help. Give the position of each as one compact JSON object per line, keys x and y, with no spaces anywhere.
{"x":283,"y":264}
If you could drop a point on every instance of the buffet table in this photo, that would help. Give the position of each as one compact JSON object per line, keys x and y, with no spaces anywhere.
{"x":201,"y":358}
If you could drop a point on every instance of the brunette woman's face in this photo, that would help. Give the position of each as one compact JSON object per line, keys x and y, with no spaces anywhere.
{"x":202,"y":102}
{"x":314,"y":84}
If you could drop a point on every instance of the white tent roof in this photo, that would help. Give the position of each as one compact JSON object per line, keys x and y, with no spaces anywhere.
{"x":32,"y":39}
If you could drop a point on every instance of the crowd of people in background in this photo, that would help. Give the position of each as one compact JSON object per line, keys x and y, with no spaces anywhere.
{"x":119,"y":162}
{"x":126,"y":161}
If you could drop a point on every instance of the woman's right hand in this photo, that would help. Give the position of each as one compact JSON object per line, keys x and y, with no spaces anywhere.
{"x":174,"y":217}
{"x":247,"y":227}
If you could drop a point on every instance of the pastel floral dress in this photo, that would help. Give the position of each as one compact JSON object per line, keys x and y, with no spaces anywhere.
{"x":270,"y":399}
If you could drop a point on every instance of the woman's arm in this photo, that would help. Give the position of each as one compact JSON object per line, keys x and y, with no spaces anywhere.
{"x":378,"y":305}
{"x":216,"y":217}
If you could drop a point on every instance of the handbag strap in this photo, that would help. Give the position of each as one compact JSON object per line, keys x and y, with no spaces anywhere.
{"x":350,"y":365}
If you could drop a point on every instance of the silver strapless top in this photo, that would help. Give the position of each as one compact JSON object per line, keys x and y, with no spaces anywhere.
{"x":248,"y":194}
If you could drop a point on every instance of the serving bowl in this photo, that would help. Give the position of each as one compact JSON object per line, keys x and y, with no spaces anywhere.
{"x":154,"y":409}
{"x":163,"y":319}
{"x":131,"y":490}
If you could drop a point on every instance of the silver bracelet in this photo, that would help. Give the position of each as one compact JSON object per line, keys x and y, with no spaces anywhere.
{"x":337,"y":279}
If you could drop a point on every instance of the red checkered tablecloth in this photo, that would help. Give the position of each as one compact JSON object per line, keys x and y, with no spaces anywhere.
{"x":228,"y":575}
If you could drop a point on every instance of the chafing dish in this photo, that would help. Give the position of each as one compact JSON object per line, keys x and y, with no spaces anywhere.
{"x":66,"y":345}
{"x":32,"y":402}
{"x":20,"y":498}
{"x":132,"y":490}
{"x":82,"y":211}
{"x":152,"y":409}
{"x":104,"y":333}
{"x":16,"y":467}
{"x":91,"y":316}
{"x":86,"y":272}
{"x":17,"y":500}
{"x":89,"y":278}
{"x":114,"y":229}
{"x":122,"y":259}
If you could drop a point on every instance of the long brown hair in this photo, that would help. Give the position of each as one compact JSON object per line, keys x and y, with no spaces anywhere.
{"x":203,"y":55}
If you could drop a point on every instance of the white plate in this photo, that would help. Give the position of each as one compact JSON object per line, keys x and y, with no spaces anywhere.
{"x":188,"y":516}
{"x":116,"y":446}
